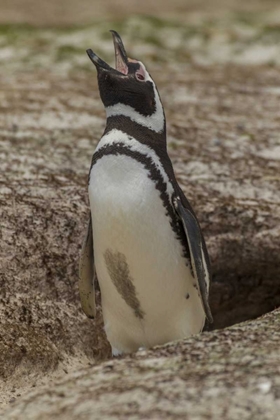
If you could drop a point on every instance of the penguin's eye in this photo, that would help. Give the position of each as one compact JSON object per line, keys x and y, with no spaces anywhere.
{"x":139,"y":77}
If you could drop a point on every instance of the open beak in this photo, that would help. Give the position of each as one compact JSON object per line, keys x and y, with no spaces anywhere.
{"x":120,"y":57}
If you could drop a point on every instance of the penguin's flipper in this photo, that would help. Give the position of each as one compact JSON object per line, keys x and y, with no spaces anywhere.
{"x":86,"y":275}
{"x":197,"y":253}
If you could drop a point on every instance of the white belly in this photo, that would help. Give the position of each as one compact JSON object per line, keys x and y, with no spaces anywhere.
{"x":131,"y":229}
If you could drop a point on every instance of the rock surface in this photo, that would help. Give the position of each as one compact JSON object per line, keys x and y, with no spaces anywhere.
{"x":222,"y":98}
{"x":228,"y":374}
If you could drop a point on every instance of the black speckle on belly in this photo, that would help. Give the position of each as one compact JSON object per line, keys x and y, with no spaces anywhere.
{"x":119,"y":272}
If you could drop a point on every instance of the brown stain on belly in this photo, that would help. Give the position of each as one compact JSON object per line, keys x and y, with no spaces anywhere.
{"x":119,"y":272}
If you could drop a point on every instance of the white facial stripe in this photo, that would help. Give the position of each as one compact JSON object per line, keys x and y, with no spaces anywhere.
{"x":142,"y":72}
{"x":154,"y":122}
{"x":147,"y":76}
{"x":118,"y":136}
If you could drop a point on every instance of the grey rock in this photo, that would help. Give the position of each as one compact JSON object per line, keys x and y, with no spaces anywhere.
{"x":227,"y":374}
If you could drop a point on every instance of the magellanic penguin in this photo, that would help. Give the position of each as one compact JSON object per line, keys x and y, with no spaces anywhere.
{"x":143,"y":242}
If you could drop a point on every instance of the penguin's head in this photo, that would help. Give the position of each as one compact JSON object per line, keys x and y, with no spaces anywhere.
{"x":128,"y":89}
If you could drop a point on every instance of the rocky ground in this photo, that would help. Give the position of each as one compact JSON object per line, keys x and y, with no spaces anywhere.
{"x":226,"y":374}
{"x":217,"y":71}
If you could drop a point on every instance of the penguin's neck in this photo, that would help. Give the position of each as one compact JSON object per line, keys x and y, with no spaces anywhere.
{"x":136,"y":131}
{"x":154,"y":122}
{"x":149,"y":129}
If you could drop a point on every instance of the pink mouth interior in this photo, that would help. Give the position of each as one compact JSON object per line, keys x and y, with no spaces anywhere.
{"x":120,"y":64}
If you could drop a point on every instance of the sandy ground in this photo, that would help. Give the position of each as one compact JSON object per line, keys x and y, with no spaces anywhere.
{"x":217,"y":69}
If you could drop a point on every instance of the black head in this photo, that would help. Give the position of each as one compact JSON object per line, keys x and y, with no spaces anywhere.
{"x":128,"y":89}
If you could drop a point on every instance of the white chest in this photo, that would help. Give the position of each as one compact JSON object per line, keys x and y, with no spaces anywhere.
{"x":143,"y":277}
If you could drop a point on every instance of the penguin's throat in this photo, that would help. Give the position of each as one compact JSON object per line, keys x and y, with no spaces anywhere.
{"x":154,"y":122}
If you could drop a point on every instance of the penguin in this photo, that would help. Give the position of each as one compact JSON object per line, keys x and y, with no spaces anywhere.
{"x":143,"y":242}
